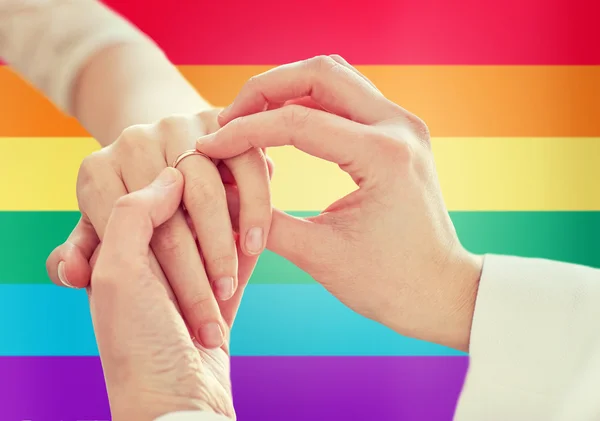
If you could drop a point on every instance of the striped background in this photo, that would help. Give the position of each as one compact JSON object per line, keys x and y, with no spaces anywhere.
{"x":511,"y":92}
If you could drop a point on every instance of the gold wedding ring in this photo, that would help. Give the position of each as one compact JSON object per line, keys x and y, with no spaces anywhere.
{"x":187,"y":153}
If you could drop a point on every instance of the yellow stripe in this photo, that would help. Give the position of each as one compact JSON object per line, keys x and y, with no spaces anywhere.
{"x":475,"y":174}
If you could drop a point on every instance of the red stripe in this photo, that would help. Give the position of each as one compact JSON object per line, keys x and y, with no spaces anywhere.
{"x":372,"y":32}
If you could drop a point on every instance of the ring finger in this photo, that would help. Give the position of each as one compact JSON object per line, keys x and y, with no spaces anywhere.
{"x":175,"y":247}
{"x":206,"y":203}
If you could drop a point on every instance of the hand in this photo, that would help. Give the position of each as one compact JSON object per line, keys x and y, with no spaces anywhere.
{"x":389,"y":249}
{"x":131,"y":163}
{"x":150,"y":363}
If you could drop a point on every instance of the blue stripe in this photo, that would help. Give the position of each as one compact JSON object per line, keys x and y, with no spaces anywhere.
{"x":274,"y":320}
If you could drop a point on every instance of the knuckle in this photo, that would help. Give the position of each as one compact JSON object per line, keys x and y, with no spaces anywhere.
{"x":202,"y":303}
{"x":133,"y":133}
{"x":257,"y":207}
{"x":323,"y":63}
{"x":201,"y":194}
{"x":173,"y":125}
{"x":234,"y":127}
{"x":208,"y":119}
{"x":221,"y":264}
{"x":395,"y":148}
{"x":253,"y":161}
{"x":134,"y":140}
{"x":90,"y":166}
{"x":91,"y":173}
{"x":296,"y":116}
{"x":258,"y":216}
{"x":420,"y":128}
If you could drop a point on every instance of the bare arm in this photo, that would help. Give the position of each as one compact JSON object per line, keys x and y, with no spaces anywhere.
{"x":93,"y":64}
{"x":130,"y":84}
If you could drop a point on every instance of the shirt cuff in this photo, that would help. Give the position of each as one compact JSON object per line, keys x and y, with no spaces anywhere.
{"x":193,"y":416}
{"x":533,"y":323}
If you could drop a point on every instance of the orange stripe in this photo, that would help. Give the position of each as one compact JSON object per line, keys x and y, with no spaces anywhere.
{"x":456,"y":101}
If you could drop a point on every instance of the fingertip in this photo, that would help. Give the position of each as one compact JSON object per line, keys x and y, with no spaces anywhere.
{"x":176,"y":173}
{"x":179,"y":179}
{"x":222,"y":118}
{"x":254,"y":241}
{"x":71,"y":271}
{"x":62,"y":275}
{"x":168,"y":177}
{"x":225,"y":288}
{"x":162,"y":198}
{"x":203,"y":141}
{"x":55,"y":266}
{"x":52,"y":264}
{"x":211,"y":335}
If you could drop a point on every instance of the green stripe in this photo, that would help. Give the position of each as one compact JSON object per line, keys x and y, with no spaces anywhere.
{"x":28,"y":237}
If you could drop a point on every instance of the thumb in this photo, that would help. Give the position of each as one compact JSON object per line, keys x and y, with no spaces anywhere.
{"x":301,"y":241}
{"x":69,"y":264}
{"x":135,"y":216}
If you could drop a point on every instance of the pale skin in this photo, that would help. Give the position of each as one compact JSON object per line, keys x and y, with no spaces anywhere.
{"x":151,"y":365}
{"x":388,"y":250}
{"x":397,"y":257}
{"x":110,"y":96}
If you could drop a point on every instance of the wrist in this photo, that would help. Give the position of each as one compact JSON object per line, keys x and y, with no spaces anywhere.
{"x":441,"y":313}
{"x":464,"y":277}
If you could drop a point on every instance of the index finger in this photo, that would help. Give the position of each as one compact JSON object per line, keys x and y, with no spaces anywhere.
{"x":327,"y":82}
{"x":318,"y":133}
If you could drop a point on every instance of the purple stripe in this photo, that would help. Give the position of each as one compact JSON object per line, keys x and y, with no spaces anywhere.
{"x":266,"y":388}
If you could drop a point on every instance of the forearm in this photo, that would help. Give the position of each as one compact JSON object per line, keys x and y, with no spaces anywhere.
{"x":93,"y":64}
{"x":130,"y":84}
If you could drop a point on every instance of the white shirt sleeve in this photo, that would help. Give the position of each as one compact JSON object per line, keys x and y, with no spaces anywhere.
{"x":49,"y":41}
{"x":535,"y":343}
{"x":193,"y":416}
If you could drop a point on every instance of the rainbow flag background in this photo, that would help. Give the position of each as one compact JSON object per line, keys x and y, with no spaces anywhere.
{"x":511,"y":92}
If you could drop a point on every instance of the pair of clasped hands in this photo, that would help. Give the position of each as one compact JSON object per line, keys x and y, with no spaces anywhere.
{"x":166,"y":253}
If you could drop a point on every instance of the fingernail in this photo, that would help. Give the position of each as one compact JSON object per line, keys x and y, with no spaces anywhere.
{"x":254,"y":240}
{"x":225,"y":110}
{"x":211,"y":335}
{"x":167,"y":177}
{"x":62,"y":275}
{"x":205,"y":139}
{"x":224,"y":287}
